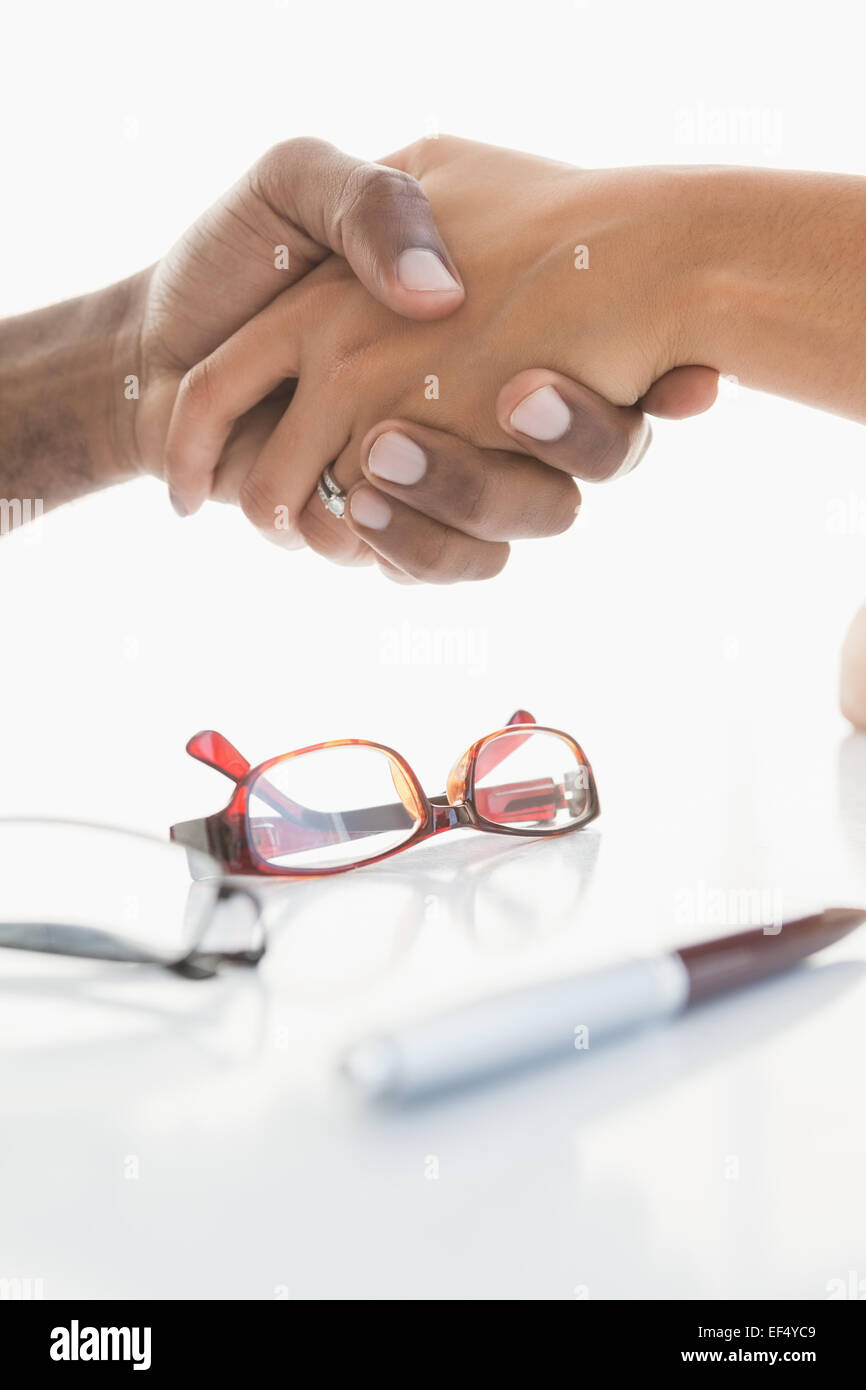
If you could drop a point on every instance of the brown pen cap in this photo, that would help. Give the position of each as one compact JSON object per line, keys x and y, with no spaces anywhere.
{"x":730,"y":961}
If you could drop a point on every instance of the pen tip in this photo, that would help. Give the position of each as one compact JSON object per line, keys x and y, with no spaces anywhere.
{"x":370,"y":1066}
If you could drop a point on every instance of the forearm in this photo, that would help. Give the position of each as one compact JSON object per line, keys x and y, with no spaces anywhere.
{"x":67,"y":404}
{"x":780,"y":288}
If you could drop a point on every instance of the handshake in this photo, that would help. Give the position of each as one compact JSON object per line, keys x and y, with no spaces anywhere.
{"x":454,"y":334}
{"x":409,"y":363}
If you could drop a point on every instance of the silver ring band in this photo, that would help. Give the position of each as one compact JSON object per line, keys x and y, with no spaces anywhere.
{"x":332,"y":495}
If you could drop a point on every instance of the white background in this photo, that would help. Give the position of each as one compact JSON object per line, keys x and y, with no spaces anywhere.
{"x":687,"y":631}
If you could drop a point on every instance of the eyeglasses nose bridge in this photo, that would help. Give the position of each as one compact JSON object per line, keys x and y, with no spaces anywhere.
{"x":449,"y":817}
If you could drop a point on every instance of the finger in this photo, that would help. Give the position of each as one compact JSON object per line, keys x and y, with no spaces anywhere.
{"x":328,"y":534}
{"x":392,"y":572}
{"x":569,"y":426}
{"x":221,"y":388}
{"x":243,"y":447}
{"x":378,"y":218}
{"x":278,"y":493}
{"x":422,"y":548}
{"x":486,"y":493}
{"x":682,"y":392}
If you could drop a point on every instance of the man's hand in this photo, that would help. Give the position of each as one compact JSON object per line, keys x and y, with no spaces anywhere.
{"x":87,"y":387}
{"x":302,"y":201}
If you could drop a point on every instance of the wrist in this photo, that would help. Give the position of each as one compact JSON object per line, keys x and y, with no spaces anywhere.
{"x":681,"y":236}
{"x":736,"y":283}
{"x":121,"y":377}
{"x":713,"y":288}
{"x":641,"y":308}
{"x":63,"y":432}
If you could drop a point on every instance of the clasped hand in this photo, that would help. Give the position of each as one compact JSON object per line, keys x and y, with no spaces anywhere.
{"x":415,"y":376}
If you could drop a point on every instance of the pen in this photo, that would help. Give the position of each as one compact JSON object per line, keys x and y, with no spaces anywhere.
{"x":561,"y":1016}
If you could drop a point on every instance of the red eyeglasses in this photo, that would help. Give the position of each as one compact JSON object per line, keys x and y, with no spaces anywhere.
{"x":333,"y":806}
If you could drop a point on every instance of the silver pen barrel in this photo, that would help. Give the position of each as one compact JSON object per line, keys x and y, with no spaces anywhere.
{"x":515,"y":1029}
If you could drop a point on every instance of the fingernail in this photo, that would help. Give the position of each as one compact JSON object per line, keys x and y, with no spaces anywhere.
{"x":543,"y":415}
{"x":177,"y":504}
{"x":420,"y":269}
{"x":369,"y":509}
{"x":397,"y":458}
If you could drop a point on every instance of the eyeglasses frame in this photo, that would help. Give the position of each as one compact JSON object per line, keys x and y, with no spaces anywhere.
{"x":225,"y":834}
{"x":198,"y":962}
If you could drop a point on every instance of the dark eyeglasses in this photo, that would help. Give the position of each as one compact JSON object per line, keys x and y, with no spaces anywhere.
{"x":333,"y":806}
{"x":75,"y":889}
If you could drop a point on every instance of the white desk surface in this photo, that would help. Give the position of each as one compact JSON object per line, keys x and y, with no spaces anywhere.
{"x":721,"y":1156}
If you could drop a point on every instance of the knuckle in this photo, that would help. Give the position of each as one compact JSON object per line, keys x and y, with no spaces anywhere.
{"x":348,"y":365}
{"x":487,"y":562}
{"x":475,"y":500}
{"x":196,"y":395}
{"x":448,"y":146}
{"x":411,"y":154}
{"x":331,"y":538}
{"x":478,"y":561}
{"x":346,"y":550}
{"x":429,"y":556}
{"x":260,"y":503}
{"x":354,"y":359}
{"x":393,"y":573}
{"x":301,"y":147}
{"x":556,"y":505}
{"x":270,"y":170}
{"x":443,"y":556}
{"x":349,"y":350}
{"x":419,"y":154}
{"x":610,"y":454}
{"x":374,"y":187}
{"x":460,"y":490}
{"x":320,"y":300}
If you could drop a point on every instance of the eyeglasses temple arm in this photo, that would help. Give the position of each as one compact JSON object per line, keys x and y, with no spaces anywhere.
{"x":214,"y":750}
{"x":492,"y":754}
{"x":515,"y":801}
{"x":196,"y":835}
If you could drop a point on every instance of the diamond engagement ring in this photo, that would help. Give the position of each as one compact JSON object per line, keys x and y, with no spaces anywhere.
{"x":332,"y":495}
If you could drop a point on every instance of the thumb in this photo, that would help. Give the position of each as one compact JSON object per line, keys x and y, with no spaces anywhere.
{"x":376,"y":217}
